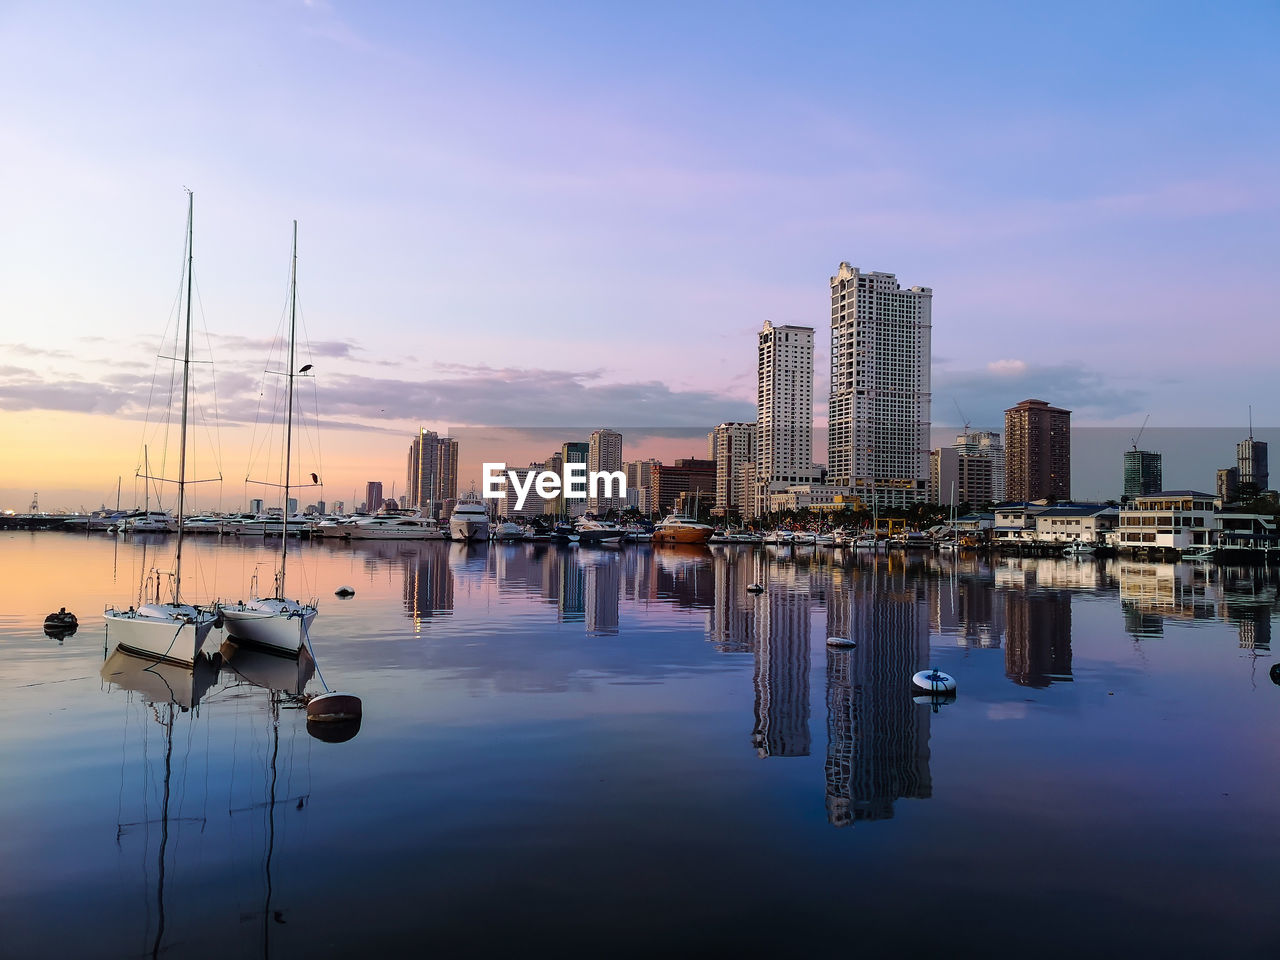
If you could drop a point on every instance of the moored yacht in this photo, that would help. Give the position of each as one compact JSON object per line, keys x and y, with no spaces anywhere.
{"x":679,"y":529}
{"x":391,"y":526}
{"x":469,"y":521}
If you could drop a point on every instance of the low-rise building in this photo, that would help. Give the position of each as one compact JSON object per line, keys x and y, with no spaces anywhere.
{"x":1168,"y":520}
{"x":1087,"y":522}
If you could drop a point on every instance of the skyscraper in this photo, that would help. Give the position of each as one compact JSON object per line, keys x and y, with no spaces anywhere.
{"x":881,"y":341}
{"x":986,"y":445}
{"x":1251,"y":462}
{"x":1037,"y":451}
{"x":784,"y":407}
{"x":604,"y":453}
{"x":1143,"y":473}
{"x":733,"y":444}
{"x":373,"y":496}
{"x":576,"y":451}
{"x":432,"y":471}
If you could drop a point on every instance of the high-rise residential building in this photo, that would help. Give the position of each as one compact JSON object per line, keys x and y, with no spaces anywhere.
{"x":732,"y":445}
{"x":784,"y":407}
{"x":1228,"y":484}
{"x":640,"y":485}
{"x":965,"y":473}
{"x":1143,"y":473}
{"x":746,"y":492}
{"x":1251,"y":462}
{"x":1037,"y":451}
{"x":432,"y":471}
{"x":985,"y":444}
{"x":533,"y":504}
{"x":878,"y":413}
{"x":604,"y":453}
{"x":553,"y":464}
{"x":692,"y":476}
{"x":373,"y":496}
{"x":575,"y":451}
{"x":338,"y":506}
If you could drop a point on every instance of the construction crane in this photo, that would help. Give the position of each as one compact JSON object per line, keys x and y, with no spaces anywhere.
{"x":1134,"y":440}
{"x":963,"y":418}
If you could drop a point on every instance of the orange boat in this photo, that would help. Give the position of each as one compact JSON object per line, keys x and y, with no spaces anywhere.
{"x":678,"y":529}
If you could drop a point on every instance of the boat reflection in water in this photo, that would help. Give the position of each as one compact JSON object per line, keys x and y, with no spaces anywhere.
{"x":174,"y":696}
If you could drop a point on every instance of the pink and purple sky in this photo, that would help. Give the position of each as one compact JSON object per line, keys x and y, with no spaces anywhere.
{"x":578,"y":213}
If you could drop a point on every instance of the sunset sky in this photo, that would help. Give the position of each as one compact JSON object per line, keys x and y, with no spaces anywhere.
{"x":579,"y":214}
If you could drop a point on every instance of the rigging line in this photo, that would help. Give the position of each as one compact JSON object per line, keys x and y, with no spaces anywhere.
{"x":212,"y":377}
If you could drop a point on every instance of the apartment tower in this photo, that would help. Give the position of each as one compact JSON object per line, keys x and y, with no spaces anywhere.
{"x":1037,"y":451}
{"x":733,"y":444}
{"x":878,"y":414}
{"x":784,"y":407}
{"x":604,"y":453}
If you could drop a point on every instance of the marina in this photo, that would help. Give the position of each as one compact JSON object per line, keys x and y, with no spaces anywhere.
{"x":578,"y":732}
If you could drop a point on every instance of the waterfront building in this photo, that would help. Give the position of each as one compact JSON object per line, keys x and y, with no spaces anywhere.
{"x":1143,"y":473}
{"x":1228,"y":487}
{"x":640,"y":485}
{"x":553,"y":464}
{"x":879,"y":410}
{"x":691,"y":476}
{"x":255,"y":506}
{"x":746,"y":491}
{"x":432,"y":472}
{"x":969,"y":477}
{"x":784,"y":407}
{"x":604,"y":453}
{"x":1251,"y":463}
{"x":373,"y":496}
{"x":533,"y":504}
{"x":575,"y":451}
{"x":1167,"y":520}
{"x":1037,"y":451}
{"x":1065,"y":523}
{"x":732,"y":446}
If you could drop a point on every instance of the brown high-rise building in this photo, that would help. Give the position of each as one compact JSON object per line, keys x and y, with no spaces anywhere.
{"x":1037,"y":450}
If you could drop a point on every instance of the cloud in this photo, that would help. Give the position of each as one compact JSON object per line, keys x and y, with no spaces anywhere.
{"x":983,"y":395}
{"x":263,"y":346}
{"x":470,"y":395}
{"x":1007,"y":368}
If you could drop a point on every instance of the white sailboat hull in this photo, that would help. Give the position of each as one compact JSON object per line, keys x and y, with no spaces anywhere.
{"x":166,"y":631}
{"x":276,"y":624}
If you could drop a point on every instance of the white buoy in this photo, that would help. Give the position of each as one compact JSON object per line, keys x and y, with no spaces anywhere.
{"x":934,"y":681}
{"x":754,"y":588}
{"x":344,"y":592}
{"x":841,"y":642}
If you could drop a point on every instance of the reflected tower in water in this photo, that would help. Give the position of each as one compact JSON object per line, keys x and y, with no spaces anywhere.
{"x":1037,"y":646}
{"x":781,"y":676}
{"x":603,"y":570}
{"x":428,"y":584}
{"x":877,"y":737}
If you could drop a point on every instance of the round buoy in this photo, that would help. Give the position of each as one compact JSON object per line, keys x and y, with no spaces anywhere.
{"x":841,"y":642}
{"x":754,"y":588}
{"x":1275,"y":674}
{"x":334,"y":708}
{"x":336,"y":732}
{"x":344,"y":592}
{"x":934,"y":681}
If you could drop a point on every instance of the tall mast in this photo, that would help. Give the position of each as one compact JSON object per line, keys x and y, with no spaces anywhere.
{"x":186,"y":388}
{"x":288,"y":429}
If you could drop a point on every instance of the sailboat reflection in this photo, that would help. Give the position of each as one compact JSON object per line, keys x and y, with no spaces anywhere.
{"x":169,"y":691}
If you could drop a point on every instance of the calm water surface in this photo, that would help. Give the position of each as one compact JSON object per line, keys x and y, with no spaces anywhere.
{"x":624,"y":752}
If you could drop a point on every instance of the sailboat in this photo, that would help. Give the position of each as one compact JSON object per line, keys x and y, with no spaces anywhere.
{"x":173,"y":630}
{"x":276,"y":622}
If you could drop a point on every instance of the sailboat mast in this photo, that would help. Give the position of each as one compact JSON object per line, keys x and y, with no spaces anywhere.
{"x":288,"y":429}
{"x":186,"y":388}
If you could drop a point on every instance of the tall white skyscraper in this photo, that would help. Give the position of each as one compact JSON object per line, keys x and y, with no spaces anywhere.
{"x":732,"y":445}
{"x":604,"y":453}
{"x":784,"y":407}
{"x":878,"y":419}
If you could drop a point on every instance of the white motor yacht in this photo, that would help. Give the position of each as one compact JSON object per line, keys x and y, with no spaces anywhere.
{"x":508,"y":530}
{"x":469,"y":521}
{"x":390,"y":526}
